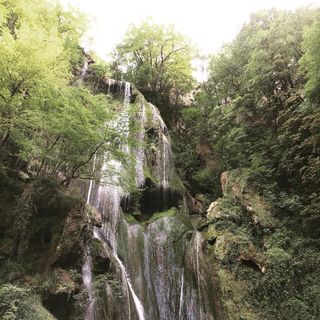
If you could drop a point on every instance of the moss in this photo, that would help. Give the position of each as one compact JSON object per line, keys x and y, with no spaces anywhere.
{"x":149,"y":113}
{"x":236,"y":185}
{"x":177,"y":184}
{"x":148,"y":174}
{"x":130,"y":219}
{"x":96,"y":247}
{"x":158,"y":215}
{"x":263,"y":266}
{"x":45,"y":236}
{"x":113,"y":281}
{"x":21,"y":303}
{"x":235,"y":293}
{"x":226,"y":209}
{"x":10,"y":270}
{"x":60,"y":281}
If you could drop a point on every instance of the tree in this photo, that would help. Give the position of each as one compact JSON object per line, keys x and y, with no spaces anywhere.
{"x":157,"y":59}
{"x":252,"y":112}
{"x":310,"y":62}
{"x":46,"y":124}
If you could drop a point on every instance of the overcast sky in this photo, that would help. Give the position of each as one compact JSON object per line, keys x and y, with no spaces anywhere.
{"x":208,"y":23}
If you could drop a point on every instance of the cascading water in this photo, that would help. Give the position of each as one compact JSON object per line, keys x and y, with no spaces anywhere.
{"x":164,"y":153}
{"x":87,"y":281}
{"x":181,"y":295}
{"x":140,"y":150}
{"x":125,"y":276}
{"x":84,"y":70}
{"x":87,"y":265}
{"x":158,"y":266}
{"x":108,"y":200}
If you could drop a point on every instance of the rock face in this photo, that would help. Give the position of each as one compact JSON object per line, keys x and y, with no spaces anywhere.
{"x":234,"y":243}
{"x":235,"y":186}
{"x":41,"y":250}
{"x":145,"y":260}
{"x":255,"y":257}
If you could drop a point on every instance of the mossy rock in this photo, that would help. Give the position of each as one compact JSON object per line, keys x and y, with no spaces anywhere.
{"x":311,"y":226}
{"x":235,"y":185}
{"x":225,"y":208}
{"x":21,"y":303}
{"x":234,"y":297}
{"x":60,"y":281}
{"x":158,"y":215}
{"x":130,"y":219}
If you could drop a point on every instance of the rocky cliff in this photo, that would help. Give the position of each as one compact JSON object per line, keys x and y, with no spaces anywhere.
{"x":125,"y":245}
{"x":264,"y":267}
{"x":121,"y":246}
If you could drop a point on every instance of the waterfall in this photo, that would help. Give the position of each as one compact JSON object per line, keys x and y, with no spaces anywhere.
{"x":140,"y":149}
{"x":181,"y":296}
{"x":164,"y":153}
{"x":84,"y":70}
{"x":107,"y":201}
{"x":87,"y":281}
{"x":160,"y":271}
{"x":198,"y":239}
{"x":87,"y":265}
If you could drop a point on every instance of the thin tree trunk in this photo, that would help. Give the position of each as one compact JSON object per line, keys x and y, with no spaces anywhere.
{"x":47,"y":151}
{"x":5,"y":137}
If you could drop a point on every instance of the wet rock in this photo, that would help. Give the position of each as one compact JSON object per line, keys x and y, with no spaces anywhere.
{"x":236,"y":186}
{"x":195,"y":204}
{"x":214,"y":211}
{"x":95,"y":217}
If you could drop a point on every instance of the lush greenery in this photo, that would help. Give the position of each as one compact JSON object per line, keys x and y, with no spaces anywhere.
{"x":259,"y":110}
{"x":46,"y":124}
{"x":157,"y":59}
{"x":257,"y":117}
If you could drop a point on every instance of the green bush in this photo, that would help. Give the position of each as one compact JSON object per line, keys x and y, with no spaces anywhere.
{"x":21,"y":303}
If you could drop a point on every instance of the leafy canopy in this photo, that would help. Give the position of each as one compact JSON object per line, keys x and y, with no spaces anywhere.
{"x":46,"y":123}
{"x":157,"y":59}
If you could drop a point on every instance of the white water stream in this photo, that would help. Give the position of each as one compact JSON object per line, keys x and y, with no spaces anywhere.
{"x":137,"y":302}
{"x":87,"y":265}
{"x":198,"y":239}
{"x":84,"y":70}
{"x":181,"y":295}
{"x":108,"y":199}
{"x":140,"y":179}
{"x":164,"y":153}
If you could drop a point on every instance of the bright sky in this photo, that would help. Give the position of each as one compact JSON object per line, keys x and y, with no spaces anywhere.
{"x":208,"y":23}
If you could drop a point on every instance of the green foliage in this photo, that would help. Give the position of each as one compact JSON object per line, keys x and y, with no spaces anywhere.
{"x":251,"y":113}
{"x":277,"y":281}
{"x":195,"y":163}
{"x":45,"y":123}
{"x":258,"y":117}
{"x":310,"y":62}
{"x":157,"y":59}
{"x":21,"y":303}
{"x":96,"y":73}
{"x":158,"y":215}
{"x":249,"y":81}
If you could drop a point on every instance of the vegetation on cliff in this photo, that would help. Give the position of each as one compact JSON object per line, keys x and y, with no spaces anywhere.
{"x":249,"y":141}
{"x":157,"y":59}
{"x":46,"y":123}
{"x":257,"y":117}
{"x":259,"y":111}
